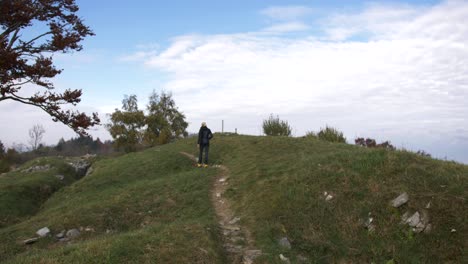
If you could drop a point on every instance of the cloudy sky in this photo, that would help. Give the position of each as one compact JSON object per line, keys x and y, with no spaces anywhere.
{"x":390,"y":70}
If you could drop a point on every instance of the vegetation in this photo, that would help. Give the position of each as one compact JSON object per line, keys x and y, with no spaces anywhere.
{"x":331,"y":134}
{"x":153,"y":206}
{"x":132,"y":130}
{"x":126,"y":126}
{"x":26,"y":56}
{"x":273,"y":126}
{"x":371,"y":143}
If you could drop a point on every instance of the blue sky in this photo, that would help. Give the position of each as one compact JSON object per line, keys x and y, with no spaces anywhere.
{"x":390,"y":70}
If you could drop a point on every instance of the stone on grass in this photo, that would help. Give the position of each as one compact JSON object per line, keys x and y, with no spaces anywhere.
{"x":284,"y":243}
{"x":284,"y":259}
{"x":234,"y":220}
{"x":73,"y":233}
{"x":43,"y":232}
{"x":413,"y":220}
{"x":61,"y":234}
{"x":30,"y":240}
{"x":251,"y":255}
{"x":60,"y":177}
{"x":400,"y":200}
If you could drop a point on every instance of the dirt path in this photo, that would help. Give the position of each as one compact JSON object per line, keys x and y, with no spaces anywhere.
{"x":237,"y":240}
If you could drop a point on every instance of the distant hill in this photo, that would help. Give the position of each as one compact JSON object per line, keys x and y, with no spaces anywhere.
{"x":298,"y":199}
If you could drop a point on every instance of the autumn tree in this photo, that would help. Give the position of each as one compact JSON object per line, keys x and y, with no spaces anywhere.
{"x":125,"y":125}
{"x":164,"y":121}
{"x":35,"y":136}
{"x":31,"y":31}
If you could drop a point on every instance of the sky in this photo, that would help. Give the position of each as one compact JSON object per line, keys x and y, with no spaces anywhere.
{"x":389,"y":70}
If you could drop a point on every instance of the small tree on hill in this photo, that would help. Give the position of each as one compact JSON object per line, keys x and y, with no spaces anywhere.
{"x":331,"y":134}
{"x":273,"y":126}
{"x":26,"y":56}
{"x":35,"y":134}
{"x":125,"y":126}
{"x":164,"y":120}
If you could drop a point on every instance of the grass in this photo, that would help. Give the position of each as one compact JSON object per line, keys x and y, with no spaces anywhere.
{"x":154,"y":207}
{"x":144,"y":207}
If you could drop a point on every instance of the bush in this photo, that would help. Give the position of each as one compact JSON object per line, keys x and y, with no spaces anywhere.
{"x":371,"y":143}
{"x":311,"y":134}
{"x":4,"y":166}
{"x":276,"y":127}
{"x":331,"y":134}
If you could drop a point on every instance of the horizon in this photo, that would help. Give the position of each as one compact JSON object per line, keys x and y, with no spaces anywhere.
{"x":388,"y":70}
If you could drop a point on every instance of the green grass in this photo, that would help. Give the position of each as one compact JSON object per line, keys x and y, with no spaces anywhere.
{"x":145,"y":207}
{"x":154,"y":207}
{"x":22,"y":194}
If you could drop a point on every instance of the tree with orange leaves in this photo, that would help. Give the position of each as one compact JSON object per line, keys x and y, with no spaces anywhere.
{"x":26,"y":58}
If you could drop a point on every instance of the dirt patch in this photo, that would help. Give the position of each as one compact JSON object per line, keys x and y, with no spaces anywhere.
{"x":237,"y":240}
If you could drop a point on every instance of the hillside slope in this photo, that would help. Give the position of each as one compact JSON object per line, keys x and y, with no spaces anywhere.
{"x":154,"y":206}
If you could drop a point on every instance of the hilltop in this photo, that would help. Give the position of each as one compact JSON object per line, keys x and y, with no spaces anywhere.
{"x":307,"y":200}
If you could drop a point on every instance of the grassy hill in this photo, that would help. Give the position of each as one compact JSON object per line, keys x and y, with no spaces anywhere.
{"x":154,"y":206}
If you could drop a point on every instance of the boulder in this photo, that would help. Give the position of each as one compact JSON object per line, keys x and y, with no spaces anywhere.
{"x":284,"y":259}
{"x":30,"y":240}
{"x":400,"y":200}
{"x":45,"y":231}
{"x":284,"y":243}
{"x":72,"y":233}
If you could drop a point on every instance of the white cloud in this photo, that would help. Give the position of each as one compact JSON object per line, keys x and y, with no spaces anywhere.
{"x":286,"y":12}
{"x":286,"y":27}
{"x":408,"y":81}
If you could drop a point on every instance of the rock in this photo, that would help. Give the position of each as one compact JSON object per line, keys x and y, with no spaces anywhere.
{"x":61,"y":234}
{"x":328,"y":197}
{"x":419,"y":227}
{"x":218,"y":195}
{"x":234,"y":220}
{"x":400,"y":200}
{"x":428,"y":205}
{"x":405,"y":217}
{"x":43,"y":232}
{"x":36,"y":168}
{"x":453,"y":230}
{"x":72,"y":233}
{"x":250,"y":256}
{"x":60,"y":177}
{"x":284,"y":259}
{"x":89,"y":171}
{"x":413,"y":220}
{"x":81,"y":166}
{"x":428,"y":229}
{"x":30,"y":240}
{"x":284,"y":243}
{"x":222,"y":179}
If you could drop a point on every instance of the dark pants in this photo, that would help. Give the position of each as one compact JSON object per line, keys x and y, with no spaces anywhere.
{"x":206,"y":148}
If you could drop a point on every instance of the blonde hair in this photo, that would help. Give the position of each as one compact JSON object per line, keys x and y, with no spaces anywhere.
{"x":203,"y":124}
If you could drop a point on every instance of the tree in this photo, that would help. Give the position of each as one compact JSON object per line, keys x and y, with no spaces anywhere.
{"x":164,"y":120}
{"x":26,"y":58}
{"x":2,"y":150}
{"x":273,"y":126}
{"x":125,"y":126}
{"x":35,"y":135}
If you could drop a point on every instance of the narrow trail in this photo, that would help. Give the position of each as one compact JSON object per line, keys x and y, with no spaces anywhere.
{"x":237,"y":240}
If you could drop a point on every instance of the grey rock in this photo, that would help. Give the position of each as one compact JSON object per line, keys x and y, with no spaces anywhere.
{"x":30,"y":240}
{"x":251,"y":255}
{"x":284,"y":242}
{"x":61,"y":234}
{"x":413,"y":220}
{"x":43,"y":232}
{"x":37,"y":168}
{"x":60,"y":177}
{"x":73,"y":233}
{"x":400,"y":200}
{"x":405,"y":217}
{"x":234,"y":220}
{"x":284,"y":259}
{"x":428,"y":229}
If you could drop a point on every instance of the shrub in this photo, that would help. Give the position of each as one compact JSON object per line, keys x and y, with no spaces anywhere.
{"x":331,"y":134}
{"x":311,"y":134}
{"x":371,"y":143}
{"x":276,"y":127}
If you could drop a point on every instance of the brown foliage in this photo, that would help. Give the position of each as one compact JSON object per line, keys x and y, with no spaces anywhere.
{"x":29,"y":61}
{"x":371,"y":143}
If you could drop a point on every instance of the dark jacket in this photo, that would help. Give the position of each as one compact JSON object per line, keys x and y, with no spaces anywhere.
{"x":204,"y":136}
